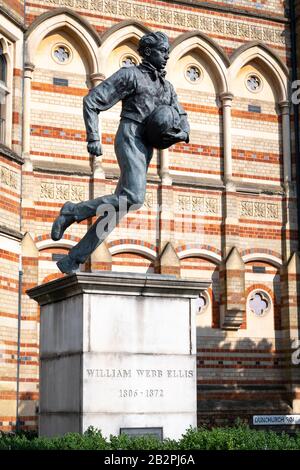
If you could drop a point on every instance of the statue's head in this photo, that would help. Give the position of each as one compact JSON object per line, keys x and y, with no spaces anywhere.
{"x":155,"y":47}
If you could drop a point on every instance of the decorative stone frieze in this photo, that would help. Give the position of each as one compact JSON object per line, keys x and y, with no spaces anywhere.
{"x":8,"y":177}
{"x":172,"y":16}
{"x":203,"y":205}
{"x":148,"y":203}
{"x":260,"y":210}
{"x":62,"y":192}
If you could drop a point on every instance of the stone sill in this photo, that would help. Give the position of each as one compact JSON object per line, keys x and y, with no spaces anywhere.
{"x":7,"y":152}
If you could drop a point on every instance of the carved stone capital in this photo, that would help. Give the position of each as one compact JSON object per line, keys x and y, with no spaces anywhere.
{"x":28,"y":70}
{"x":96,"y":78}
{"x":284,"y":107}
{"x":226,"y":98}
{"x":229,"y":185}
{"x":290,"y":188}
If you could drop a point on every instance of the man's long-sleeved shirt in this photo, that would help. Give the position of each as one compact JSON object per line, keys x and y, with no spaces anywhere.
{"x":140,"y":88}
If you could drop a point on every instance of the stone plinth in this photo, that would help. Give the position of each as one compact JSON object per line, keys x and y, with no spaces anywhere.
{"x":117,"y":351}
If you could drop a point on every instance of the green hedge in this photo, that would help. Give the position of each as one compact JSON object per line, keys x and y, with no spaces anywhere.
{"x":240,"y":437}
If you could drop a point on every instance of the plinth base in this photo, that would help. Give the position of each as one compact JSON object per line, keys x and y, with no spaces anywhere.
{"x":118,"y":352}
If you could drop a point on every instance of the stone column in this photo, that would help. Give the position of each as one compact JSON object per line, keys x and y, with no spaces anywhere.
{"x":27,"y":169}
{"x":230,"y":214}
{"x":169,"y":262}
{"x":28,"y":74}
{"x":231,"y":313}
{"x":99,"y":173}
{"x":96,"y":78}
{"x":226,"y":99}
{"x":289,"y":199}
{"x":233,"y":292}
{"x":101,"y":259}
{"x":165,"y":203}
{"x":164,"y":168}
{"x":286,"y":142}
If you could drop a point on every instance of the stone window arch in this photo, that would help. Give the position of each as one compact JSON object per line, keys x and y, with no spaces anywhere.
{"x":197,"y":49}
{"x":121,"y":42}
{"x":124,"y":54}
{"x":259,"y":79}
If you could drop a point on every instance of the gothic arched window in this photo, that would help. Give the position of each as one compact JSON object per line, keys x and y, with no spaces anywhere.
{"x":3,"y":66}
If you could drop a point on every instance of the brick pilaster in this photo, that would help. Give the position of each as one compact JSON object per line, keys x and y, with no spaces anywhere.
{"x":232,"y":275}
{"x":168,"y":262}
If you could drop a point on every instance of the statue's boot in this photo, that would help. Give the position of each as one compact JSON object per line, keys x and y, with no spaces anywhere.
{"x":68,"y":265}
{"x":63,"y":221}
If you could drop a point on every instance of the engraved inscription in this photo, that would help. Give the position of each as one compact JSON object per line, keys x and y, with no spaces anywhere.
{"x":139,"y":376}
{"x":142,"y":373}
{"x":148,"y":393}
{"x":147,"y":382}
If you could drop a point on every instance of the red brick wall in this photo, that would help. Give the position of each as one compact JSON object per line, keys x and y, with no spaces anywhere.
{"x":15,"y":7}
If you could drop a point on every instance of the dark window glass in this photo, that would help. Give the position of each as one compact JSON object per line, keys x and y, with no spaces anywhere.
{"x":2,"y":124}
{"x":2,"y":66}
